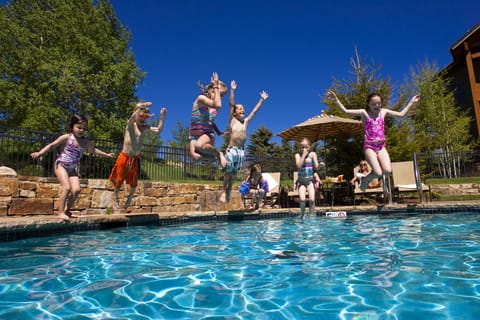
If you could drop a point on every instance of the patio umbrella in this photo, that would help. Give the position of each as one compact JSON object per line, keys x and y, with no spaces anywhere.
{"x":322,"y":127}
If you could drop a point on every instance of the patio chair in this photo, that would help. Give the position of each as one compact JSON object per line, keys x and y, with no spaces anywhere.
{"x":293,"y":193}
{"x":369,"y":192}
{"x":404,"y":180}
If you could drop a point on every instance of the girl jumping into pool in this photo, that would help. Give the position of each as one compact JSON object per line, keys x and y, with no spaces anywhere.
{"x":374,"y":144}
{"x":72,"y":146}
{"x":202,"y":140}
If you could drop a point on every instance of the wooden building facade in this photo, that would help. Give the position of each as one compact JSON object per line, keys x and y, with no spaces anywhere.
{"x":464,"y":73}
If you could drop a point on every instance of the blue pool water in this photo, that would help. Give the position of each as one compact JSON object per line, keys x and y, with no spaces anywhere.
{"x":361,"y":267}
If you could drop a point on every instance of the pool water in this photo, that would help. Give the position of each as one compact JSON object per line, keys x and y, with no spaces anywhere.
{"x":361,"y":267}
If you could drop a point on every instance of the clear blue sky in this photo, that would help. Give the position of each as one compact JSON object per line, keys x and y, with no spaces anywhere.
{"x":291,"y":49}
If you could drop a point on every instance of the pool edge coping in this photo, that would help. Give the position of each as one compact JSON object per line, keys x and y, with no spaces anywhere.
{"x":18,"y":228}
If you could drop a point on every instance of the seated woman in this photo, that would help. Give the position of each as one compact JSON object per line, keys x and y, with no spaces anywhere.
{"x":363,"y":171}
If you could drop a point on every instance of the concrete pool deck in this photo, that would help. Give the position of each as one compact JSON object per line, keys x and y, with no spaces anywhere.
{"x":22,"y":227}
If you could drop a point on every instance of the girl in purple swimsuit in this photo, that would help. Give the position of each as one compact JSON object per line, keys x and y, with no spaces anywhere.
{"x":374,"y":145}
{"x":71,"y":150}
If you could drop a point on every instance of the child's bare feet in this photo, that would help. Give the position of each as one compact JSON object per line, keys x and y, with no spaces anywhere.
{"x":223,"y":197}
{"x":63,"y":216}
{"x":196,"y":156}
{"x":70,"y":214}
{"x":115,"y":206}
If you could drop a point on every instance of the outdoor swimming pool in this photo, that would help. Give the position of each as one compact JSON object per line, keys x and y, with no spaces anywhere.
{"x":362,"y":267}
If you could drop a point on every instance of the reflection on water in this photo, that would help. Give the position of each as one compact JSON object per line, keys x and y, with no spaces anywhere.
{"x":361,"y":267}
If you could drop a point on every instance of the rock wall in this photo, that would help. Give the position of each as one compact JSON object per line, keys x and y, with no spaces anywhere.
{"x":26,"y":195}
{"x":456,"y":189}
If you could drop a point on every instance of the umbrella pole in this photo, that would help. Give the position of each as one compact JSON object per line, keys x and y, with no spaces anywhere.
{"x":325,"y":156}
{"x":325,"y":152}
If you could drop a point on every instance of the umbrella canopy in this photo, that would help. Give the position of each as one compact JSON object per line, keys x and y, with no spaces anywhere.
{"x":322,"y":127}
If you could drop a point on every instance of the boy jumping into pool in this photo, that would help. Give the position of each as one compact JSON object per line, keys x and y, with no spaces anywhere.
{"x":238,"y":135}
{"x":127,"y":166}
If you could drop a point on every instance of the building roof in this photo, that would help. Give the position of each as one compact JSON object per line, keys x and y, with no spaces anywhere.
{"x":472,"y":37}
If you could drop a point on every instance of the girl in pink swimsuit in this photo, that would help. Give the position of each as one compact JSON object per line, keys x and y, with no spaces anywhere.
{"x":374,"y":146}
{"x":71,"y":150}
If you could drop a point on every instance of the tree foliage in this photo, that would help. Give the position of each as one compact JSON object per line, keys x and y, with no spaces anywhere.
{"x":180,"y":136}
{"x":439,"y":123}
{"x":440,"y":129}
{"x":61,"y":57}
{"x":259,"y":143}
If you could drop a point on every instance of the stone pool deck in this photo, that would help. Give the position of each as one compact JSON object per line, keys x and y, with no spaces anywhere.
{"x":21,"y":227}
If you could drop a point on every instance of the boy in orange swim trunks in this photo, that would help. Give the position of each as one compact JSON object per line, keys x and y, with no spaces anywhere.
{"x":127,"y":166}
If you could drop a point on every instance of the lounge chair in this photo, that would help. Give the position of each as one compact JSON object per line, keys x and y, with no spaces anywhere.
{"x":369,"y":192}
{"x":404,"y":180}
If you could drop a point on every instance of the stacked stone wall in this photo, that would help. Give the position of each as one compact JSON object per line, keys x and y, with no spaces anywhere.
{"x":25,"y":195}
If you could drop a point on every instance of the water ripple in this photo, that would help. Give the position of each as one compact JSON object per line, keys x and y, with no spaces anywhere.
{"x":362,"y":267}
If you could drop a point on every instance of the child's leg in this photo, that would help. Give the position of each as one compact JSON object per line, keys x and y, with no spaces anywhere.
{"x":384,"y":161}
{"x":302,"y":195}
{"x":63,"y":178}
{"x":311,"y":207}
{"x":222,"y":159}
{"x":115,"y":200}
{"x":253,"y":197}
{"x":372,"y":159}
{"x":261,"y":194}
{"x":74,"y":192}
{"x":192,"y":146}
{"x":242,"y":205}
{"x":227,"y":186}
{"x":311,"y":197}
{"x":302,"y":206}
{"x":203,"y":144}
{"x":130,"y":196}
{"x":311,"y":192}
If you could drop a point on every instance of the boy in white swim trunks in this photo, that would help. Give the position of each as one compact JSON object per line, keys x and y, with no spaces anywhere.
{"x":234,"y":155}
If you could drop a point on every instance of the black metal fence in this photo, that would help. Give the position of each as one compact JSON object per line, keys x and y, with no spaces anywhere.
{"x":161,"y":163}
{"x":158,"y":162}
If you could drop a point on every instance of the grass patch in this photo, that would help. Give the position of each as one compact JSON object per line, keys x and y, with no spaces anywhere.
{"x":452,"y":180}
{"x":464,"y":197}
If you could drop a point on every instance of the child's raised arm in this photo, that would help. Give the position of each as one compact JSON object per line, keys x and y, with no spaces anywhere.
{"x":161,"y":122}
{"x":233,"y":87}
{"x":216,"y":102}
{"x":103,"y":153}
{"x":400,"y":114}
{"x":93,"y":150}
{"x":59,"y":141}
{"x":263,"y":97}
{"x":331,"y":95}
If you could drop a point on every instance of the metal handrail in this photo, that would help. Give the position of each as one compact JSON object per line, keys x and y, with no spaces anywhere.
{"x":418,"y":182}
